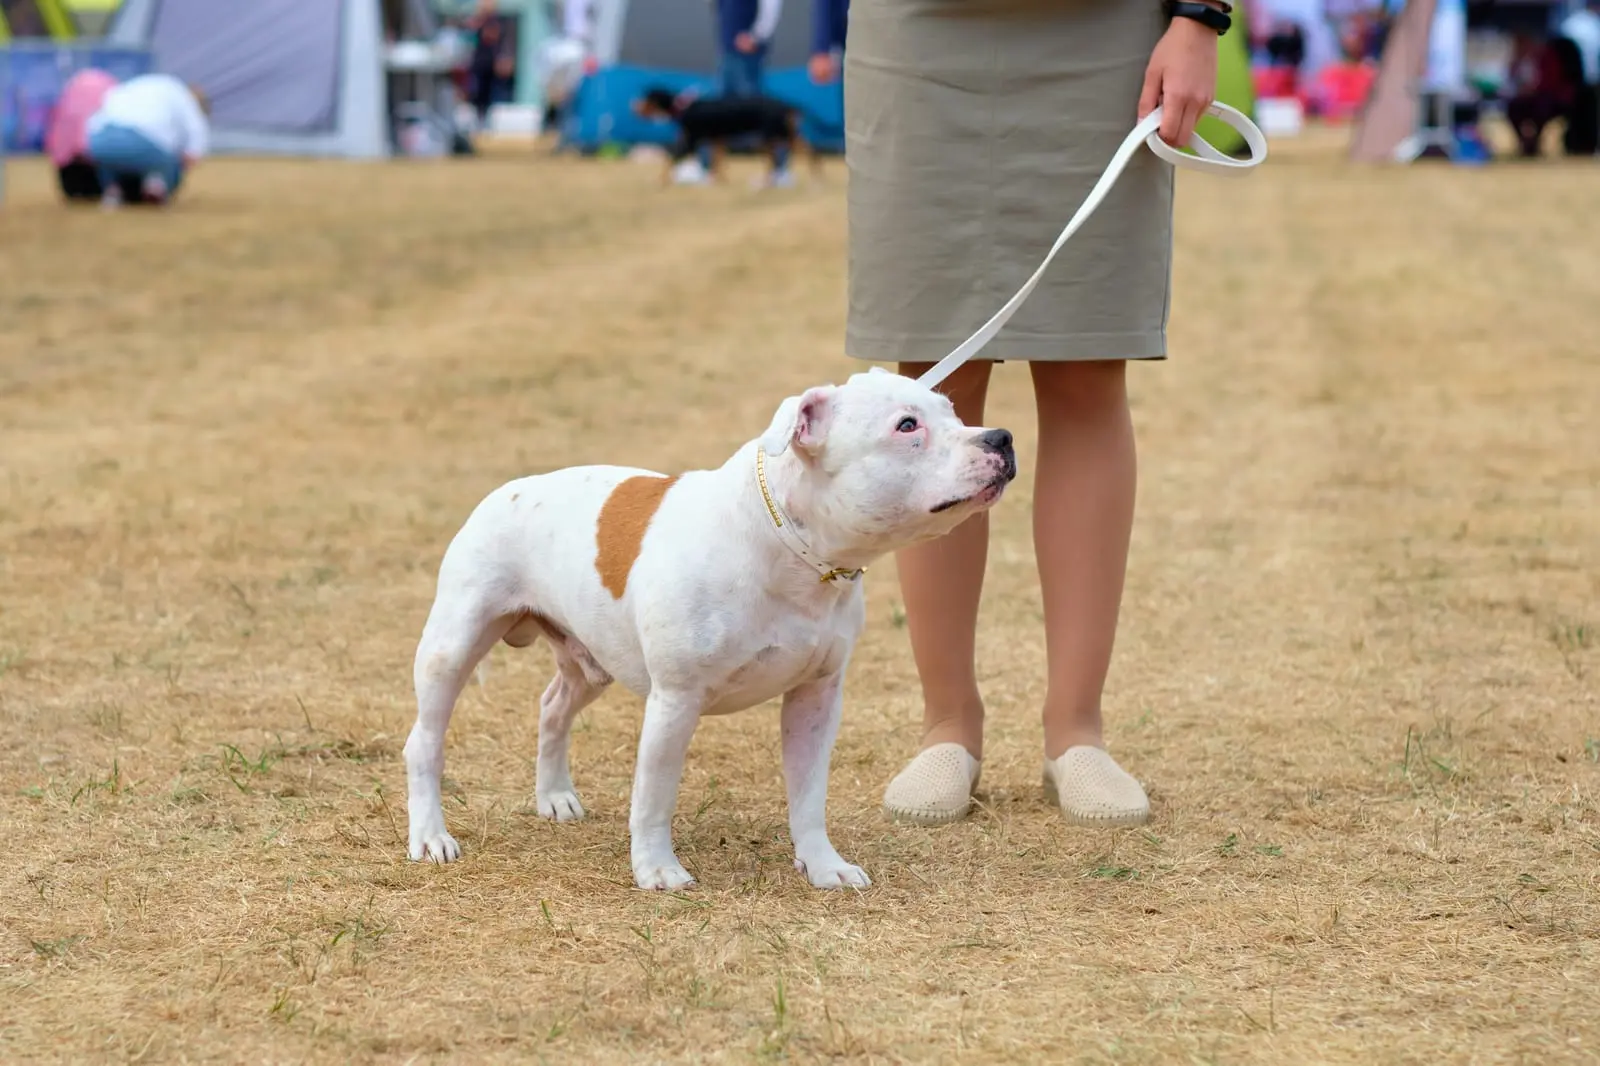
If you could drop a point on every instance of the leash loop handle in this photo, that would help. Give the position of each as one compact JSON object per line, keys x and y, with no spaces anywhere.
{"x":1205,"y":158}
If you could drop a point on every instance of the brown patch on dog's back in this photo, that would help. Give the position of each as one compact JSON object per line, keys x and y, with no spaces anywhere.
{"x":620,"y":531}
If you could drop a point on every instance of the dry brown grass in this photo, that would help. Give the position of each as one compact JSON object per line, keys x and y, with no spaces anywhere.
{"x":1358,"y":662}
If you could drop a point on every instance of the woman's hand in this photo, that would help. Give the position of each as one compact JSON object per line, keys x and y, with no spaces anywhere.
{"x":1181,"y":78}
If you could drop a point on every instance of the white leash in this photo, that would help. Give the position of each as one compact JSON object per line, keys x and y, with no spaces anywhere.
{"x":1146,"y":133}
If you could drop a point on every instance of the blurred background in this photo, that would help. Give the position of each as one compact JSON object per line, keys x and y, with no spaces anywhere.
{"x":372,"y":78}
{"x":1355,"y":668}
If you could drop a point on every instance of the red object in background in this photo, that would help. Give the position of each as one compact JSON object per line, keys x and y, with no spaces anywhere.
{"x":67,"y":136}
{"x":590,"y":64}
{"x":1274,"y":82}
{"x":1536,"y":72}
{"x":1342,"y":89}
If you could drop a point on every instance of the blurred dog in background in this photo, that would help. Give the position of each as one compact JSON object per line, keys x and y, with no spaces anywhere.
{"x":712,"y":122}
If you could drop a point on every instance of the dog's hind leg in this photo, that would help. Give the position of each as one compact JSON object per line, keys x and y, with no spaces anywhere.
{"x":579,"y":679}
{"x":462,"y":626}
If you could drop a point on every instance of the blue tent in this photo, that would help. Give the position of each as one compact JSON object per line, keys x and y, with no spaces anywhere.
{"x":601,"y":109}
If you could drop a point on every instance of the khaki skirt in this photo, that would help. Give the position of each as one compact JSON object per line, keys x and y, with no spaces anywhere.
{"x":974,"y":129}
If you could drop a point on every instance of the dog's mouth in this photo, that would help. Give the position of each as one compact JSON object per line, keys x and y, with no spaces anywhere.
{"x":989,"y":493}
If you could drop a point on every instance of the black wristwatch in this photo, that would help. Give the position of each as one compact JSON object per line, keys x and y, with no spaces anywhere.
{"x":1204,"y":14}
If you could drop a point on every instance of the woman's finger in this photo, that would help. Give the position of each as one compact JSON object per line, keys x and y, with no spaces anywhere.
{"x":1179,"y":135}
{"x":1150,"y":94}
{"x":1194,"y":109}
{"x":1191,"y":118}
{"x":1171,"y":119}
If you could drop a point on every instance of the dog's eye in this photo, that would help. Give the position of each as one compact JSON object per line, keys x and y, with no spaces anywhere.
{"x":907,"y":425}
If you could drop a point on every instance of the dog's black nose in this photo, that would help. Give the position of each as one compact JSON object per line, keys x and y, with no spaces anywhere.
{"x":996,"y":440}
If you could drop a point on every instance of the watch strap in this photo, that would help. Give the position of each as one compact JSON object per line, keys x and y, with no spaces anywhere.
{"x":1204,"y":14}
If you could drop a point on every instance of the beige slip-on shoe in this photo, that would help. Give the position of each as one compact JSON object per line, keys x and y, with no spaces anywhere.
{"x":934,"y":788}
{"x":1092,"y":790}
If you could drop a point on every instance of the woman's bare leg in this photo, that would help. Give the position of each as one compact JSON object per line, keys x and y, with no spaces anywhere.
{"x":1085,"y":476}
{"x":942,"y":581}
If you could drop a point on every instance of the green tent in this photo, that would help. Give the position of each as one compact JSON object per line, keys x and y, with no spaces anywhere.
{"x":1235,"y":86}
{"x":92,"y":16}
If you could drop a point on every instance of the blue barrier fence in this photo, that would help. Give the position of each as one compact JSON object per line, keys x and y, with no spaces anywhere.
{"x":601,"y":111}
{"x":32,"y":75}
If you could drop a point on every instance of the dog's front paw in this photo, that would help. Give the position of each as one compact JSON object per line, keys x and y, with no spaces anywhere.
{"x":833,"y":872}
{"x":560,"y":804}
{"x":662,"y":877}
{"x":434,"y":846}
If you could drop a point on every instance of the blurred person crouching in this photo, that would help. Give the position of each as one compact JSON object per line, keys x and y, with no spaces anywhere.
{"x":150,"y":130}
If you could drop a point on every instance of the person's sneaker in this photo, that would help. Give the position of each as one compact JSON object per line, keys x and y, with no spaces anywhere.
{"x":155,"y":189}
{"x":111,"y":199}
{"x":690,"y":172}
{"x":783,"y":179}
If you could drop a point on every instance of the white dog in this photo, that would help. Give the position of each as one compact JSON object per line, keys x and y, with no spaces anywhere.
{"x":706,"y":593}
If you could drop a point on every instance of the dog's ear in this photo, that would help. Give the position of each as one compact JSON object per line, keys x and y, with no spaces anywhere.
{"x":776,"y":439}
{"x":812,"y":421}
{"x":801,"y":421}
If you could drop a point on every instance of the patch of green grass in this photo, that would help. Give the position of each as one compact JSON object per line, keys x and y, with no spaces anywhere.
{"x":564,"y":929}
{"x":111,"y":783}
{"x":284,"y":1007}
{"x":234,"y":765}
{"x":1421,"y":769}
{"x":1228,"y":845}
{"x":315,"y":578}
{"x":106,"y":719}
{"x":58,"y":948}
{"x":1571,"y":640}
{"x":182,"y":795}
{"x":358,"y":932}
{"x":1274,"y":850}
{"x":776,"y":1043}
{"x":1572,"y":636}
{"x":1114,"y":873}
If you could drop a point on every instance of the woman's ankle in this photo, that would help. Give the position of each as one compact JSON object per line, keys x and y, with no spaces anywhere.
{"x":1068,"y":727}
{"x":963,"y":726}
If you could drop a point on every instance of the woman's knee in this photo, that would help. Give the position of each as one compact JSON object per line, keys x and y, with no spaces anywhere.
{"x":1081,"y":388}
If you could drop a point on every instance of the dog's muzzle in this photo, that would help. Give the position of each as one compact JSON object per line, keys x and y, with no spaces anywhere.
{"x":999,"y":442}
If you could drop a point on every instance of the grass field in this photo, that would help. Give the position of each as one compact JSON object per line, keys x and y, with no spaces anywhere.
{"x":1359,"y":666}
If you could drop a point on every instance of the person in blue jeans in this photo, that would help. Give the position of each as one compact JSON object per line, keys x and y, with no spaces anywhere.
{"x":744,"y":38}
{"x":150,"y":130}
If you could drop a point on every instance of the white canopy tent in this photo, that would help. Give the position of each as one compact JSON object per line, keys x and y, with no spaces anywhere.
{"x":285,"y":77}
